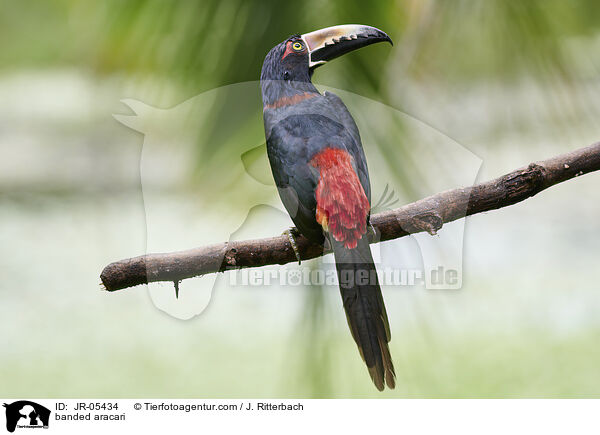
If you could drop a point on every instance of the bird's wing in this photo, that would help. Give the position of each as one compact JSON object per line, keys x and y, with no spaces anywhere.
{"x":355,"y":146}
{"x":290,"y":146}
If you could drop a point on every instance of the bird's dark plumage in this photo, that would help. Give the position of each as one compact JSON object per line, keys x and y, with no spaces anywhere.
{"x":320,"y":170}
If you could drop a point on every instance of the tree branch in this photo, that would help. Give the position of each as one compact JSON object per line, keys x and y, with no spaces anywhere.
{"x":428,"y":214}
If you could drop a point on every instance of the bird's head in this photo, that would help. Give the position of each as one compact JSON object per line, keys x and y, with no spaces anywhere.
{"x":291,"y":63}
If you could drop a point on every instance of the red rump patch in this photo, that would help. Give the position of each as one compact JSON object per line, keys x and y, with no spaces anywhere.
{"x":342,"y":205}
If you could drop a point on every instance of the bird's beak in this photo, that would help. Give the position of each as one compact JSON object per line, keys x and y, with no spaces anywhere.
{"x":331,"y":42}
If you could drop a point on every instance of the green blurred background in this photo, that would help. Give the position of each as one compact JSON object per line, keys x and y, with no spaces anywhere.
{"x":512,"y":81}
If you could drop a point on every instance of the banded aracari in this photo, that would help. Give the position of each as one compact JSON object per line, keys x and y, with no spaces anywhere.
{"x":320,"y":170}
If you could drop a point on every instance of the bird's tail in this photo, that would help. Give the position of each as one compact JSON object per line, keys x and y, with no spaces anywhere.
{"x":365,"y":309}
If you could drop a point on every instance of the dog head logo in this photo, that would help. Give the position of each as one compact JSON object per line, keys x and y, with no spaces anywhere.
{"x":26,"y":414}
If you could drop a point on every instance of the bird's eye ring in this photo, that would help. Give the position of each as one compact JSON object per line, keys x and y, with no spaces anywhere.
{"x":297,"y":46}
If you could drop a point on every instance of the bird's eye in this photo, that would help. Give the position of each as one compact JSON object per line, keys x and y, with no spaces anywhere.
{"x":297,"y":46}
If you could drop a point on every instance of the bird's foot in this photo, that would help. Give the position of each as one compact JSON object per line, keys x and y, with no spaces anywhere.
{"x":291,"y":234}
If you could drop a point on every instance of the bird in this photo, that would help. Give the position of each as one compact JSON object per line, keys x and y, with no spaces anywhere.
{"x":320,"y":170}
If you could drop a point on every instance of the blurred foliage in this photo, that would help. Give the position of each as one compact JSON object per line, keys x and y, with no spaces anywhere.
{"x":198,"y":45}
{"x":465,"y":39}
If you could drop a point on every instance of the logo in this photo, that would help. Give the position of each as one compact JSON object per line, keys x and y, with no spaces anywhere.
{"x":26,"y":414}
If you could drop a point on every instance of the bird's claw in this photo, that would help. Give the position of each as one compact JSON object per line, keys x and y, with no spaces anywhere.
{"x":327,"y":246}
{"x":372,"y":231}
{"x":291,"y":233}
